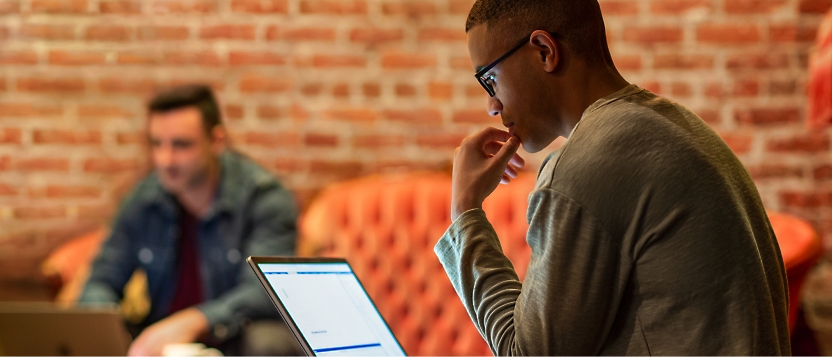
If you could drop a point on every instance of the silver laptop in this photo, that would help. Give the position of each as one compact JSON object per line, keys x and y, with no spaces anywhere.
{"x":42,"y":329}
{"x":325,"y":306}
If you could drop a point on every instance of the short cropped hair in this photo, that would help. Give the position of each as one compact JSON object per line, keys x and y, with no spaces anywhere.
{"x":191,"y":95}
{"x":577,"y":22}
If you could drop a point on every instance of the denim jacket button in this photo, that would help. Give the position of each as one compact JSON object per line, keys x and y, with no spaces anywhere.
{"x":145,"y":255}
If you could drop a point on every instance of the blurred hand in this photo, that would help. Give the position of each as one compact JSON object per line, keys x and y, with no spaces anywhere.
{"x":481,"y":162}
{"x":185,"y":326}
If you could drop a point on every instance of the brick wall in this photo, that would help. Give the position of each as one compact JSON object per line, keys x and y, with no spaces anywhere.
{"x":324,"y":90}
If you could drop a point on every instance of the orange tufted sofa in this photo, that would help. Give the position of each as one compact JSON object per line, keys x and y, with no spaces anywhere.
{"x":387,"y":225}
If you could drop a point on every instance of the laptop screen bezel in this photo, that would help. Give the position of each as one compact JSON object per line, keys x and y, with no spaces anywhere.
{"x":255,"y":262}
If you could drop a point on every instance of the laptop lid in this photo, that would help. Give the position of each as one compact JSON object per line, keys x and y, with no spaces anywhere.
{"x":42,"y":329}
{"x":325,"y":306}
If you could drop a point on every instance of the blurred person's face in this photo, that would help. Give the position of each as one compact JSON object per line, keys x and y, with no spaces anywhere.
{"x":183,"y":153}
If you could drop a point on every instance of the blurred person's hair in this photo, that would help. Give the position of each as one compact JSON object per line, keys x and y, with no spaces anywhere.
{"x":191,"y":95}
{"x":578,"y":23}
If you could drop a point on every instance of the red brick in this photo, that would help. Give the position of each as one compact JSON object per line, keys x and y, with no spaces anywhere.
{"x":108,"y":33}
{"x":66,"y":137}
{"x":184,"y":6}
{"x":254,"y":83}
{"x":4,"y":33}
{"x":63,"y":58}
{"x":27,"y":110}
{"x":299,"y":113}
{"x":803,"y":143}
{"x":676,"y":7}
{"x":652,"y":86}
{"x":202,"y":58}
{"x":805,"y":199}
{"x":628,"y":63}
{"x":372,"y":90}
{"x":96,"y":212}
{"x":311,"y":89}
{"x":228,"y":32}
{"x":757,"y":61}
{"x":260,"y":6}
{"x":18,"y":57}
{"x":122,"y":7}
{"x":138,"y":58}
{"x":378,"y":141}
{"x":374,"y":36}
{"x":460,"y":7}
{"x":619,"y":7}
{"x":738,"y":142}
{"x":236,"y":58}
{"x":39,"y":84}
{"x":272,"y":140}
{"x":332,"y":61}
{"x":440,"y":90}
{"x":728,"y":34}
{"x":131,"y":138}
{"x":408,"y":61}
{"x":126,"y":85}
{"x":823,"y":172}
{"x":163,"y":33}
{"x":767,"y":116}
{"x":446,"y":141}
{"x":7,"y":190}
{"x":680,"y":90}
{"x":476,"y":91}
{"x":775,"y":171}
{"x":681,"y":61}
{"x":814,"y":6}
{"x":418,"y":116}
{"x":463,"y":63}
{"x":714,"y":90}
{"x":42,"y":164}
{"x":10,"y":136}
{"x":39,"y":212}
{"x":787,"y":87}
{"x":320,"y":140}
{"x":409,"y":8}
{"x":60,"y":191}
{"x":9,"y":6}
{"x":473,"y":116}
{"x":5,"y":163}
{"x":59,"y":6}
{"x":405,"y":90}
{"x":438,"y":34}
{"x":326,"y":34}
{"x":650,"y":35}
{"x":3,"y":86}
{"x":793,"y":33}
{"x":744,"y":7}
{"x":746,"y":88}
{"x":709,"y":116}
{"x":107,"y":165}
{"x":334,"y":7}
{"x":270,"y":112}
{"x":95,"y":111}
{"x":48,"y":32}
{"x":339,"y":169}
{"x":341,"y":90}
{"x":351,"y":114}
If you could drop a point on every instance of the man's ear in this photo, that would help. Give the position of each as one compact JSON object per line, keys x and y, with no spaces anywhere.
{"x":547,"y":46}
{"x":218,"y":139}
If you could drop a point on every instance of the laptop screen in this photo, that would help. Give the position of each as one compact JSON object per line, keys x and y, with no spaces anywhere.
{"x":331,"y":309}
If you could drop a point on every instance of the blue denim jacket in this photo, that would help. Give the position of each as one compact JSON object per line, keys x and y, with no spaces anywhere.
{"x":252,"y":214}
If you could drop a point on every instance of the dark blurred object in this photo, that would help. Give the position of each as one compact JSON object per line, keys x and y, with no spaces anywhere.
{"x":820,"y":77}
{"x":817,"y":305}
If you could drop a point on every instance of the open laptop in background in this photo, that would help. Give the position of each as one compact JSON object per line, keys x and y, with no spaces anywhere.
{"x":44,"y":329}
{"x":325,"y":306}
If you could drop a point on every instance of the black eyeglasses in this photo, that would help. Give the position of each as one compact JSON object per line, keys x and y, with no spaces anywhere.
{"x":488,"y":82}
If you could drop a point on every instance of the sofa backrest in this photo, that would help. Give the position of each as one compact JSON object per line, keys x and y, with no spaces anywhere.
{"x":386,"y":226}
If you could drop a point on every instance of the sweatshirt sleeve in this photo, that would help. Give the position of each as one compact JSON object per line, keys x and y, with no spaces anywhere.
{"x":572,"y":289}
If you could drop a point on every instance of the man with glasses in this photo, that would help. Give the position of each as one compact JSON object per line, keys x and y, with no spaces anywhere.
{"x":647,"y":234}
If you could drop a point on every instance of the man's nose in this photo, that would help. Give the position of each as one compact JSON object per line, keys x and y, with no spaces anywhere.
{"x":164,"y":156}
{"x":494,"y":106}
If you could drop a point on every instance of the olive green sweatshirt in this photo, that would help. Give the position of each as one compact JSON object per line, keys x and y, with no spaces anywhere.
{"x":648,"y":237}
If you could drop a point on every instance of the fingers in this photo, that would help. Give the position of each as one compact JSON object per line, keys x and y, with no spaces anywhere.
{"x":488,"y":135}
{"x":507,"y":152}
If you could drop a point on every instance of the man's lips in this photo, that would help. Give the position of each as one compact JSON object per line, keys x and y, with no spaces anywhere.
{"x":510,"y":129}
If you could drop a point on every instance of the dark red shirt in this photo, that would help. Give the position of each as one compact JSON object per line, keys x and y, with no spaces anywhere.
{"x":189,"y":281}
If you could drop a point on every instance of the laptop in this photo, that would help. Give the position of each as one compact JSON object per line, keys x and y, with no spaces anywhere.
{"x":325,"y":306}
{"x":44,"y":329}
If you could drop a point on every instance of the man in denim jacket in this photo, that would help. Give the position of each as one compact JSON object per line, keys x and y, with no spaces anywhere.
{"x":190,"y":225}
